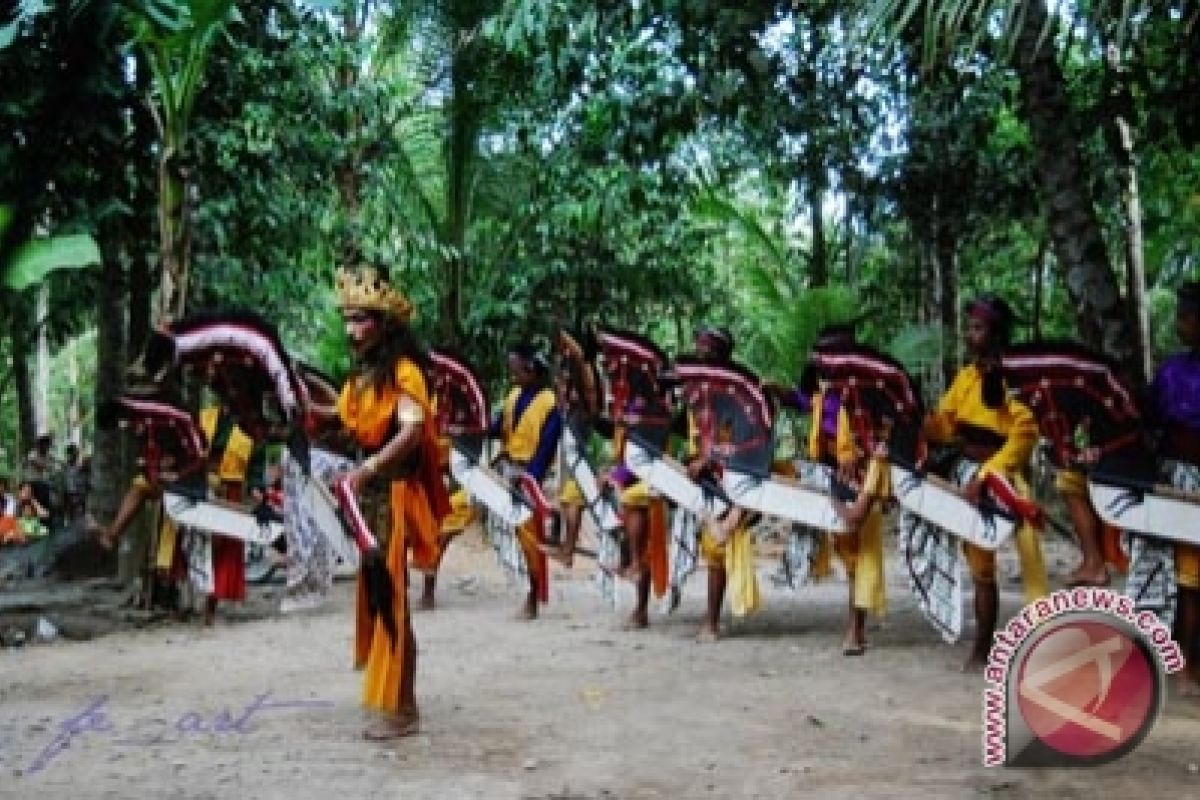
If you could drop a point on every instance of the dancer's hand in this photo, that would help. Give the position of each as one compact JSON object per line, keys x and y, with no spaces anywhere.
{"x":355,"y":479}
{"x":973,"y":491}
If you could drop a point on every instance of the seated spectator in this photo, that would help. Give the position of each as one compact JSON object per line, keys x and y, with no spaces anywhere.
{"x":9,"y":532}
{"x":8,"y":500}
{"x":32,"y":516}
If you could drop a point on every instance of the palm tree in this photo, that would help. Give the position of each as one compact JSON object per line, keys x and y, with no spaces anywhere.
{"x":1026,"y":44}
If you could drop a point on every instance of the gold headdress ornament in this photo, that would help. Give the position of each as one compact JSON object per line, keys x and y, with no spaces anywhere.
{"x":365,"y":288}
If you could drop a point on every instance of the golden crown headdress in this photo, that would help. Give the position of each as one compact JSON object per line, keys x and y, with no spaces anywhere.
{"x":364,"y":287}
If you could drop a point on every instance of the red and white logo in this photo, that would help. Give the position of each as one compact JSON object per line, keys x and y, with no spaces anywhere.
{"x":1075,"y":680}
{"x":1086,"y":688}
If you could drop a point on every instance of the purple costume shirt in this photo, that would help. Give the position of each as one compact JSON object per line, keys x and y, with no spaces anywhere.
{"x":831,"y":403}
{"x":1176,"y":391}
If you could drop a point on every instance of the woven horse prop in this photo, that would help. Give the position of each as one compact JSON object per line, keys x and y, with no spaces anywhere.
{"x":735,"y":422}
{"x":463,"y":417}
{"x":240,"y":357}
{"x":640,"y":404}
{"x":579,"y":402}
{"x":1071,"y":388}
{"x":884,"y":408}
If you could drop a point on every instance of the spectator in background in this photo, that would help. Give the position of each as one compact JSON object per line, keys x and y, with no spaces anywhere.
{"x":33,"y":518}
{"x":39,"y":469}
{"x":74,"y":485}
{"x":8,"y":500}
{"x":9,"y":532}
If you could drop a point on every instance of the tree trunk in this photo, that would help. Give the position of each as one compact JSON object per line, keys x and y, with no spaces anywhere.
{"x":1039,"y":278}
{"x":945,"y":253}
{"x":1075,"y":231}
{"x":41,"y":372}
{"x":19,"y":339}
{"x":74,"y":414}
{"x":818,"y":264}
{"x":108,"y":473}
{"x":460,"y":161}
{"x":851,"y":265}
{"x":348,"y":179}
{"x":174,"y":228}
{"x":1135,"y":265}
{"x":139,"y":262}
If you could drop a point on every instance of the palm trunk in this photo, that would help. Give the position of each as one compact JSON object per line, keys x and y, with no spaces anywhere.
{"x":348,"y":180}
{"x":945,"y":253}
{"x":1075,"y":230}
{"x":138,"y":260}
{"x":460,"y":152}
{"x":1039,"y":272}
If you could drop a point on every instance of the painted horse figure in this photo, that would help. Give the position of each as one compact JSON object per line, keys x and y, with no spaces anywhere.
{"x":240,"y":357}
{"x":1093,"y":423}
{"x":580,"y":397}
{"x":463,"y":416}
{"x":884,"y":407}
{"x":641,"y":409}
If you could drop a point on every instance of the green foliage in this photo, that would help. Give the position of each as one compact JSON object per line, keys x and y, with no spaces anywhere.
{"x":522,"y":164}
{"x":918,"y":347}
{"x":177,"y":36}
{"x":38,"y":258}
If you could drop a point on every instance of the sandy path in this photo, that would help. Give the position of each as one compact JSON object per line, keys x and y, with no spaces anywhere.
{"x":565,"y":707}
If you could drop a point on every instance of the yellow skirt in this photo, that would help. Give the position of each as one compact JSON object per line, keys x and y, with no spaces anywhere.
{"x":412,"y":522}
{"x":982,"y":563}
{"x":861,"y":553}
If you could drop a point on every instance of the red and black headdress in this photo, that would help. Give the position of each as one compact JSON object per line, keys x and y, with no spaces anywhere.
{"x":1067,"y":385}
{"x":877,"y":393}
{"x":638,"y":397}
{"x":732,"y":414}
{"x":462,"y":404}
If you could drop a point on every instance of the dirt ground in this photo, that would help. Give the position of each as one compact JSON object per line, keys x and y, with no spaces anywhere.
{"x":264,"y":706}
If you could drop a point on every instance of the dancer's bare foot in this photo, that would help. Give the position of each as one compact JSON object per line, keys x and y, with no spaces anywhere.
{"x":638,"y":620}
{"x":852,"y":645}
{"x":1085,"y":575}
{"x":559,"y":554}
{"x":975,"y":662}
{"x":631,"y":573}
{"x":394,"y":727}
{"x":426,"y":603}
{"x":528,"y":612}
{"x":708,"y":633}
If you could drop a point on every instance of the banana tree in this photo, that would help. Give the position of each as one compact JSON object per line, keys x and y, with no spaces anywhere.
{"x":176,"y":37}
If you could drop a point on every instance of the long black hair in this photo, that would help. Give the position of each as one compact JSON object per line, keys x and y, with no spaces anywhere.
{"x":396,"y":340}
{"x":1188,"y":297}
